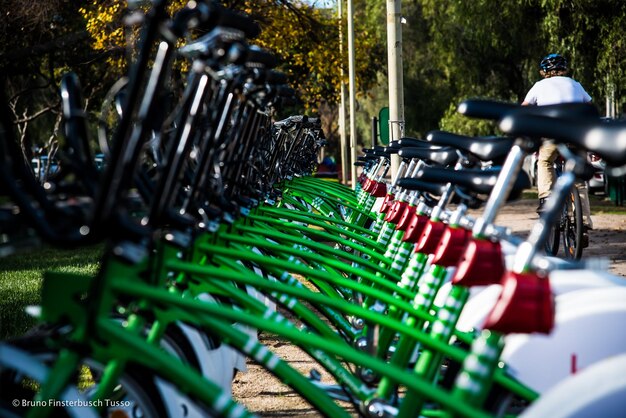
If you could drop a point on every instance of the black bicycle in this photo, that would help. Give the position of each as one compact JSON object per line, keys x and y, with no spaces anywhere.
{"x":569,"y":227}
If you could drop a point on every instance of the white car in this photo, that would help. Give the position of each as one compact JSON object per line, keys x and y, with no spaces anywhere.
{"x":598,"y":181}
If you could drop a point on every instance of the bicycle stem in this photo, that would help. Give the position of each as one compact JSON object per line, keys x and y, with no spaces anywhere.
{"x":539,"y":234}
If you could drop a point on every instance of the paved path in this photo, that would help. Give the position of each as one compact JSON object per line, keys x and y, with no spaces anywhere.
{"x":608,"y":239}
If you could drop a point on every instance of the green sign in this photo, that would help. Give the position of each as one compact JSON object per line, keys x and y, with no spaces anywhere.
{"x":383,"y":125}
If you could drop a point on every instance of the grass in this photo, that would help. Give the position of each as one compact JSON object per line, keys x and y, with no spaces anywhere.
{"x":529,"y":194}
{"x":20,"y":281}
{"x":603,"y":205}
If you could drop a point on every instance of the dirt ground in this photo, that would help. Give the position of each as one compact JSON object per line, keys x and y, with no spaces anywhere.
{"x":265,"y":395}
{"x":606,"y":240}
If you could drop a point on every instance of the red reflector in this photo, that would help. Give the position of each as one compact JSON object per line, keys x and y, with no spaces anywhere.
{"x":413,"y":231}
{"x":481,"y":264}
{"x":430,"y":237}
{"x":451,"y":246}
{"x":525,"y":305}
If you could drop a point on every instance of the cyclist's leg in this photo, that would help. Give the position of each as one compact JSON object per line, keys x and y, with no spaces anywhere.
{"x":545,"y":171}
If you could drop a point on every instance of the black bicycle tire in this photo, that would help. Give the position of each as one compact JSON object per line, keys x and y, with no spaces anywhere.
{"x":573,"y":232}
{"x":145,"y":384}
{"x":140,"y":381}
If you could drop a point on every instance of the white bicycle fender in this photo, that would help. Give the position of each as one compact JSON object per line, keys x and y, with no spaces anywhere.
{"x":598,"y":391}
{"x":483,"y":298}
{"x":584,"y":334}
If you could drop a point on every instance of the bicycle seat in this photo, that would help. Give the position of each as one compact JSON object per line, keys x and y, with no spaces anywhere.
{"x":368,"y":157}
{"x":391,"y":149}
{"x":378,"y":151}
{"x":413,"y":142}
{"x":258,"y":57}
{"x":477,"y":181}
{"x":485,"y":148}
{"x":440,"y":156}
{"x":407,"y":142}
{"x":275,"y":77}
{"x":290,"y":122}
{"x":423,"y":186}
{"x":495,"y":110}
{"x":607,"y":139}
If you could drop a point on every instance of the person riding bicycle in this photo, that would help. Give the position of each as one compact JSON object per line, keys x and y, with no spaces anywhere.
{"x":556,"y":87}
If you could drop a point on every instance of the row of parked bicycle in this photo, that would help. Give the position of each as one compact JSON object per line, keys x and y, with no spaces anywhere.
{"x":212,"y":219}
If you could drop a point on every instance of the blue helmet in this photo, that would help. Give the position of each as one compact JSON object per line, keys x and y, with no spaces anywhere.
{"x":553,"y":62}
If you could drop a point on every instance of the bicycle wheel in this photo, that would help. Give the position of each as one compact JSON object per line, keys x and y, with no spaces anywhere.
{"x":135,"y":395}
{"x":139,"y":392}
{"x":573,"y":228}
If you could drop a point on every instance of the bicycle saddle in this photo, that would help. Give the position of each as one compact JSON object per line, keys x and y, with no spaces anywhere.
{"x":257,"y":57}
{"x":413,"y":142}
{"x":391,"y":150}
{"x":291,"y":121}
{"x":410,"y":143}
{"x":607,"y":139}
{"x":485,"y":148}
{"x":275,"y":77}
{"x":378,"y":151}
{"x":439,"y":156}
{"x":495,"y":110}
{"x":477,"y":181}
{"x":433,"y":188}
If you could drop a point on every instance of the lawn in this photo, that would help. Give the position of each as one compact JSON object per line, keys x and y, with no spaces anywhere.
{"x":20,"y":281}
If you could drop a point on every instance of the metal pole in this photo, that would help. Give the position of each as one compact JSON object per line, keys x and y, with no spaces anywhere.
{"x":374,"y":131}
{"x":352,"y":90}
{"x":343,"y":140}
{"x":610,"y":98}
{"x":394,"y":63}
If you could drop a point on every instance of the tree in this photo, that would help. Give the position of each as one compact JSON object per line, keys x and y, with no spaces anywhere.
{"x":456,"y":49}
{"x":305,"y":39}
{"x":90,"y":39}
{"x":38,"y":44}
{"x":591,"y":35}
{"x":468,"y":49}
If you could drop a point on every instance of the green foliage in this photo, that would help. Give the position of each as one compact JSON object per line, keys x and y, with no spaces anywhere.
{"x":455,"y":49}
{"x":455,"y":122}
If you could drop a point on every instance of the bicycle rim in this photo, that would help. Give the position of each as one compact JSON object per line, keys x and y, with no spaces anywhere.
{"x":573,"y":232}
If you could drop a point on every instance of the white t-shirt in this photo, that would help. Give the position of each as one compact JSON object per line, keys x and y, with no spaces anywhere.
{"x":555,"y":90}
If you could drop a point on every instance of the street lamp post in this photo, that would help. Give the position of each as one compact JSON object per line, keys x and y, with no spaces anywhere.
{"x":343,"y":141}
{"x":352,"y":93}
{"x":394,"y":62}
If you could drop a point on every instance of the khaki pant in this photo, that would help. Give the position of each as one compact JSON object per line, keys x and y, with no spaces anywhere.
{"x":546,"y":176}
